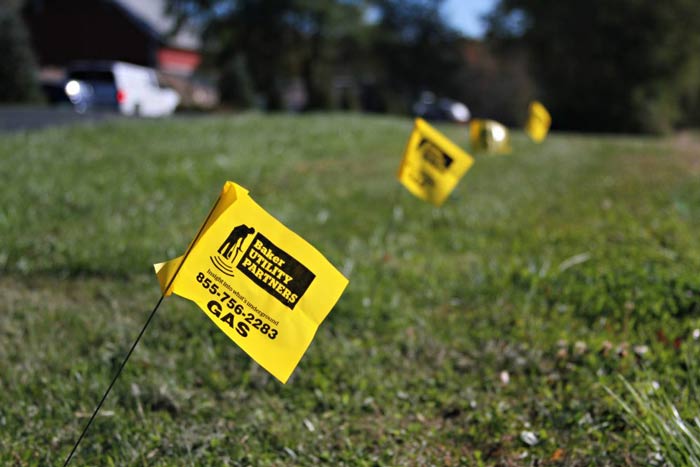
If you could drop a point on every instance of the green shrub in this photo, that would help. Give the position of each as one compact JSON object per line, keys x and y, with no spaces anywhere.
{"x":18,"y":69}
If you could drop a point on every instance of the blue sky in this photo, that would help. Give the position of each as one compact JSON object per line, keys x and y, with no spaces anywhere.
{"x":465,"y":15}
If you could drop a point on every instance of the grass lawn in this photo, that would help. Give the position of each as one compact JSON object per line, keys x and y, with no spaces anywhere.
{"x":482,"y":332}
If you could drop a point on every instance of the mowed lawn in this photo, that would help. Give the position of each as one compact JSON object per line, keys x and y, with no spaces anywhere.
{"x":480,"y":333}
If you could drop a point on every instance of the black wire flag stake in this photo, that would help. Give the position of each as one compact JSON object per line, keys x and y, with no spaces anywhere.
{"x":251,"y":294}
{"x":114,"y":380}
{"x":133,"y":346}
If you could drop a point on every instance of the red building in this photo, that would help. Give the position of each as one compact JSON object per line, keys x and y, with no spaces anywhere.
{"x":134,"y":31}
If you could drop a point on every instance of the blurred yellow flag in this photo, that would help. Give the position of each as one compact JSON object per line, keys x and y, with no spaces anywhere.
{"x":263,"y":285}
{"x":538,"y":122}
{"x":432,"y":164}
{"x":489,"y":136}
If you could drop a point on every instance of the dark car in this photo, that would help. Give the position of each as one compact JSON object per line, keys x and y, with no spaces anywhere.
{"x":55,"y":93}
{"x":92,"y":90}
{"x":429,"y":107}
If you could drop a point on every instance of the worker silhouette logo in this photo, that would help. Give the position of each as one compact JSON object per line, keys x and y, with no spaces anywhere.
{"x":423,"y":179}
{"x":229,"y":249}
{"x":435,"y":156}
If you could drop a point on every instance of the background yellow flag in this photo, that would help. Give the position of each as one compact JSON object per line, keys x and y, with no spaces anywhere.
{"x":432,"y":164}
{"x":263,"y":285}
{"x":489,"y":136}
{"x":538,"y":122}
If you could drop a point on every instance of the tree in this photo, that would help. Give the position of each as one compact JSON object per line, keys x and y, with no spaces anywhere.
{"x":414,"y":50}
{"x":393,"y":49}
{"x":279,"y":40}
{"x":496,"y":84}
{"x":18,"y":69}
{"x":332,"y":45}
{"x":235,"y":84}
{"x":627,"y":65}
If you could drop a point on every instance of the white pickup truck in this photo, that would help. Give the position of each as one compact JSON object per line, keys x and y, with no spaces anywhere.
{"x":124,"y":87}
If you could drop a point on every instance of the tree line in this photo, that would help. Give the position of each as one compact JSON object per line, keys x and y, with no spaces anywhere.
{"x":355,"y":54}
{"x":623,"y":65}
{"x":627,"y":66}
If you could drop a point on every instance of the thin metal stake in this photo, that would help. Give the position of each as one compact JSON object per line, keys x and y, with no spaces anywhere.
{"x":148,"y":321}
{"x":119,"y":372}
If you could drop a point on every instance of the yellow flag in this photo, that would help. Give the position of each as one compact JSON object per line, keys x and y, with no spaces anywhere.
{"x":489,"y":136}
{"x":263,"y":285}
{"x":538,"y":122}
{"x":432,"y":164}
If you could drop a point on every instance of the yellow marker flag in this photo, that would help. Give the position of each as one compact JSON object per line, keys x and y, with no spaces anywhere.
{"x":489,"y":136}
{"x":432,"y":164}
{"x":263,"y":285}
{"x":538,"y":122}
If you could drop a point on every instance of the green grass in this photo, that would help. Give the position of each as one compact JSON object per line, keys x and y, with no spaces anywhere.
{"x":551,"y":264}
{"x":674,"y":437}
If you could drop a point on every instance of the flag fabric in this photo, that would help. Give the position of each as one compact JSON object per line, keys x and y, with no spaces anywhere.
{"x":432,"y":165}
{"x":538,"y":122}
{"x":263,"y":285}
{"x":489,"y":136}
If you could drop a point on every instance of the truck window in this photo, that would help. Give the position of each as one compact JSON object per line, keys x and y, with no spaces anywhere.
{"x":90,"y":75}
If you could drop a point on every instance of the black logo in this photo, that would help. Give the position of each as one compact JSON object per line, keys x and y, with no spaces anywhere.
{"x":231,"y":246}
{"x":275,"y":271}
{"x":270,"y":267}
{"x":435,"y":156}
{"x":423,"y":179}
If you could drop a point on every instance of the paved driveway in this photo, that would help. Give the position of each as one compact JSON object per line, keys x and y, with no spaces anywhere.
{"x":18,"y":118}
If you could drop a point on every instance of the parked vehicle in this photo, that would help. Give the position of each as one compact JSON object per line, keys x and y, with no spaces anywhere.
{"x":431,"y":108}
{"x":55,"y":93}
{"x":123,"y":87}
